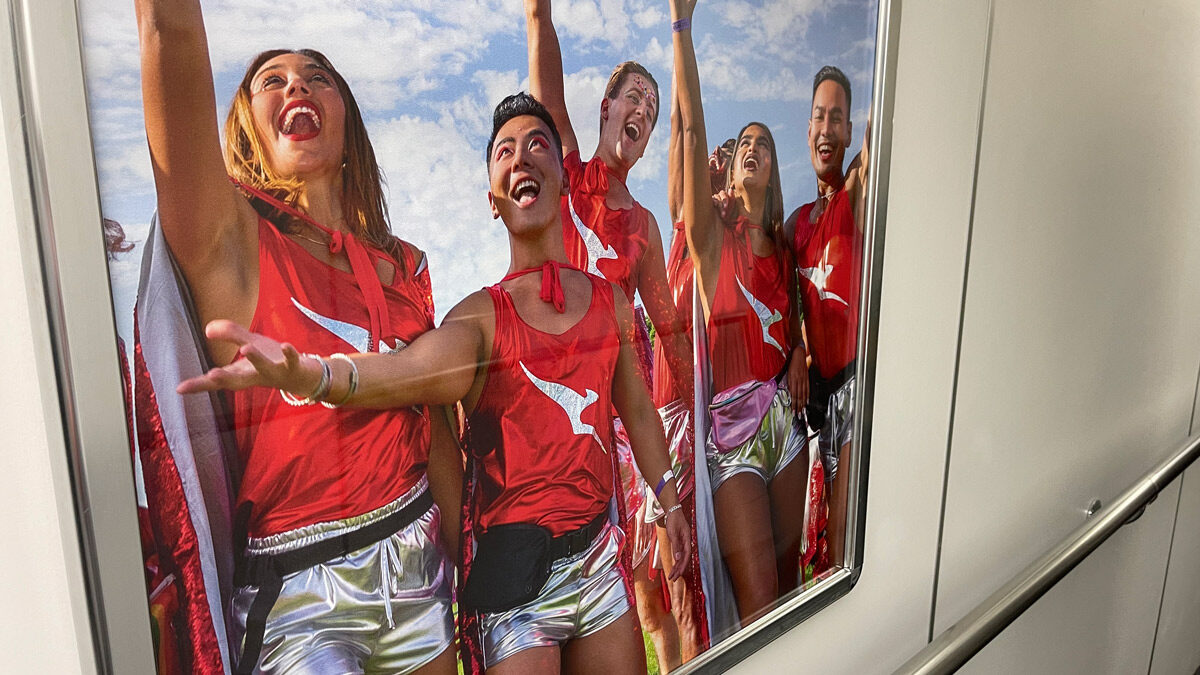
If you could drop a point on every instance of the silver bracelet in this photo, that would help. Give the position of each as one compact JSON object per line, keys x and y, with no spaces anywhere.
{"x":673,"y":509}
{"x":353,"y":380}
{"x":319,"y":393}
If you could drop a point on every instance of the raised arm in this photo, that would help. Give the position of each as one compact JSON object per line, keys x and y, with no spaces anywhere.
{"x":646,"y":438}
{"x":675,"y":157}
{"x":856,"y":180}
{"x":208,"y":225}
{"x":701,"y":225}
{"x":438,"y":368}
{"x":546,"y":70}
{"x":656,"y":295}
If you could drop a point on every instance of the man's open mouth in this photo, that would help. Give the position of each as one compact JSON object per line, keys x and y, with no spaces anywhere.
{"x":526,"y":192}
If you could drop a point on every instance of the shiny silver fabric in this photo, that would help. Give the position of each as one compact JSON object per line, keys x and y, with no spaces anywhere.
{"x":676,"y":419}
{"x":584,"y":594}
{"x":633,"y":492}
{"x":838,"y":429}
{"x":382,"y":608}
{"x":779,"y":440}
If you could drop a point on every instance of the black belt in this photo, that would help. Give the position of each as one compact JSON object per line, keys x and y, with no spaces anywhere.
{"x":267,"y":571}
{"x":820,"y":389}
{"x":823,"y":388}
{"x":577,"y":541}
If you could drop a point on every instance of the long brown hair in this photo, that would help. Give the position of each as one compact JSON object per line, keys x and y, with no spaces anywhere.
{"x":773,"y":204}
{"x":773,"y":214}
{"x":362,"y":182}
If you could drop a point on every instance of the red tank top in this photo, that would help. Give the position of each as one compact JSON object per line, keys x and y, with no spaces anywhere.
{"x":829,"y":258}
{"x":541,"y":431}
{"x":311,"y":464}
{"x":602,"y":241}
{"x":679,"y":279}
{"x":749,"y":331}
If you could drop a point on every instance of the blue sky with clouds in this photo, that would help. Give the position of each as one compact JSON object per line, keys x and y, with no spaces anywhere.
{"x":427,"y":74}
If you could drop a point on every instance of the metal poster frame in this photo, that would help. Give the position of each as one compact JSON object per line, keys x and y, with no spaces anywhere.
{"x":56,"y":157}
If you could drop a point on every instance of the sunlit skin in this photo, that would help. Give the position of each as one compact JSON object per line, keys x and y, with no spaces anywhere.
{"x":315,"y":146}
{"x":829,"y":130}
{"x":625,"y":125}
{"x":525,"y":180}
{"x":750,"y":180}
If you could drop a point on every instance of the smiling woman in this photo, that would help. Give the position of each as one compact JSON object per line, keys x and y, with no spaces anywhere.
{"x":293,"y":241}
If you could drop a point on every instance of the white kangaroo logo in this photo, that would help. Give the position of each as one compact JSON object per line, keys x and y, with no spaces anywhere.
{"x":594,"y":249}
{"x":355,"y":336}
{"x":765,"y":317}
{"x":570,"y":401}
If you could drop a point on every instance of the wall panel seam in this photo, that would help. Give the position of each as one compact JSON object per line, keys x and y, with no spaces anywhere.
{"x":937,"y":566}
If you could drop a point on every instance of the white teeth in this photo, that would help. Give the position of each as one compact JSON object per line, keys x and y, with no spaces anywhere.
{"x":633,"y":131}
{"x":526,"y":188}
{"x":300,"y":110}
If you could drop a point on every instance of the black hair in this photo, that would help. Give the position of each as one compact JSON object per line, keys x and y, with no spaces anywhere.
{"x":833,"y":73}
{"x":518,"y":105}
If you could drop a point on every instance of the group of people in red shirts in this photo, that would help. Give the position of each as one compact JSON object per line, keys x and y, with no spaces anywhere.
{"x":534,"y":458}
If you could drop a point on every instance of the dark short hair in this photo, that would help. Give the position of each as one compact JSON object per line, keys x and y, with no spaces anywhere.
{"x":518,"y":105}
{"x":833,"y":73}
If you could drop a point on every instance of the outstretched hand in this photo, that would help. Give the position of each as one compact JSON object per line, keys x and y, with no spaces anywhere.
{"x":679,"y":534}
{"x":260,"y":362}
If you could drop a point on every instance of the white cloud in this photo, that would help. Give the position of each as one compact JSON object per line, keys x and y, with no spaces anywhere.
{"x":774,"y":26}
{"x":649,"y":17}
{"x":437,"y":197}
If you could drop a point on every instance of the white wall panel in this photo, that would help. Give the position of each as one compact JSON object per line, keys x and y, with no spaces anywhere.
{"x":1080,"y":341}
{"x":885,"y":618}
{"x":1095,"y":620}
{"x":43,"y":617}
{"x":1176,"y":649}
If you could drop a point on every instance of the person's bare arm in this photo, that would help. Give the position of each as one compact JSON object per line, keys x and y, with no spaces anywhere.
{"x":546,"y":70}
{"x":700,"y":223}
{"x":210,"y":228}
{"x":438,"y":368}
{"x":646,"y":439}
{"x":656,"y":295}
{"x":856,"y":180}
{"x":675,"y":157}
{"x":445,"y":471}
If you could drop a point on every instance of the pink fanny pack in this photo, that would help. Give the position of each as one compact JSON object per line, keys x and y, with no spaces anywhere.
{"x":737,"y":413}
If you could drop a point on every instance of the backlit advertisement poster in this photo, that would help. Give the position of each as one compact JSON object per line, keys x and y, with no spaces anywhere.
{"x":482,"y":335}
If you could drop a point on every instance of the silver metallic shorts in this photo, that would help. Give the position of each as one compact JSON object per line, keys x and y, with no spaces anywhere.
{"x":779,"y":440}
{"x":676,"y":419}
{"x":382,"y":608}
{"x":584,"y":594}
{"x":838,"y":429}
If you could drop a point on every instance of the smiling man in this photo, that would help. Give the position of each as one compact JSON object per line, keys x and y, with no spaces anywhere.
{"x":609,"y":234}
{"x":537,"y":361}
{"x":827,"y":244}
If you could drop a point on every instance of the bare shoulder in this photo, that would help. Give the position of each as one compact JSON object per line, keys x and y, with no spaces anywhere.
{"x":411,"y":252}
{"x":789,"y":225}
{"x":475,"y":310}
{"x":621,"y":305}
